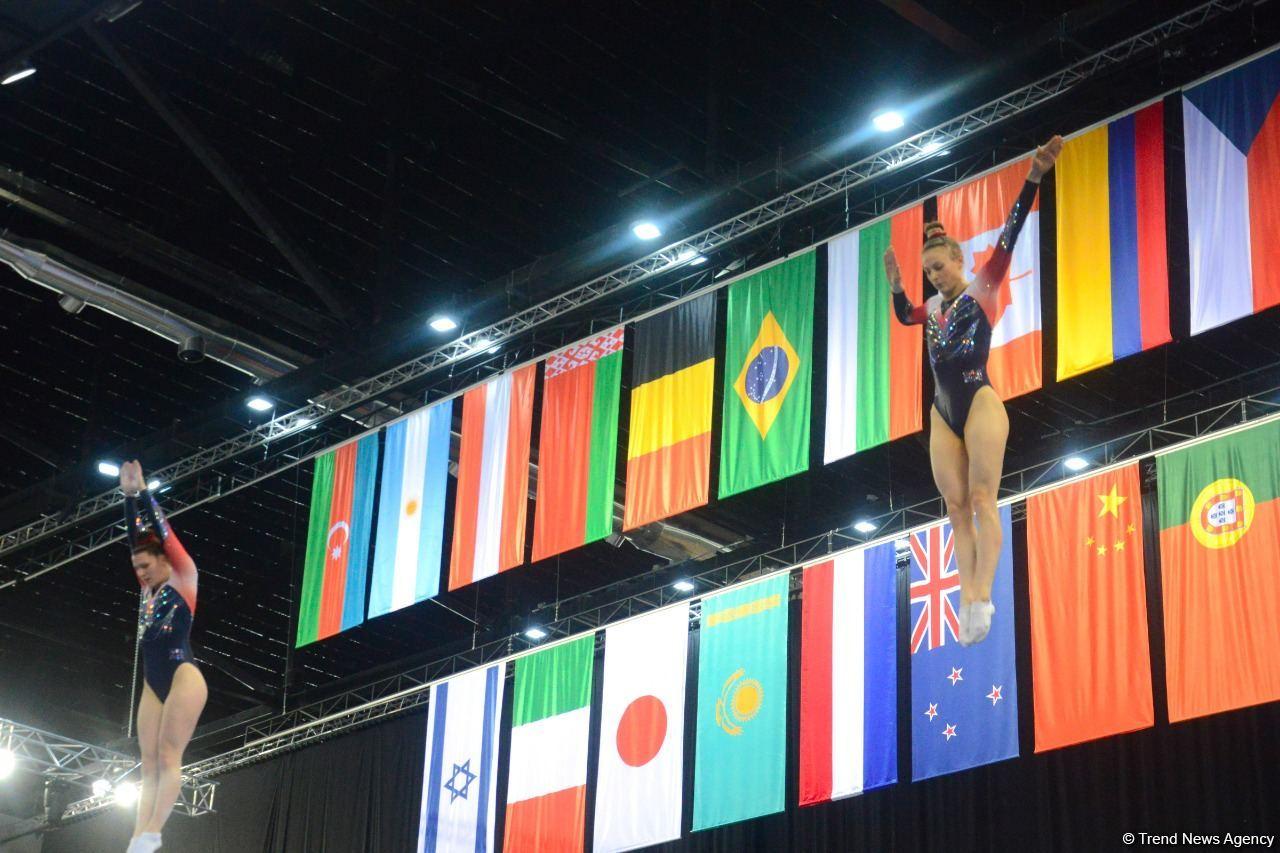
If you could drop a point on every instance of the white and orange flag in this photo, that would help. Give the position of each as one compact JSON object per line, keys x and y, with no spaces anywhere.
{"x":974,"y":214}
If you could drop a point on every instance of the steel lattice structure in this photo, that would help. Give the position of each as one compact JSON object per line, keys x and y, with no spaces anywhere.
{"x":914,"y":149}
{"x":70,"y":760}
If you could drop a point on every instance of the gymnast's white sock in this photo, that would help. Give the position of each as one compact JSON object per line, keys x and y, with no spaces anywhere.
{"x":980,"y":620}
{"x":147,"y":842}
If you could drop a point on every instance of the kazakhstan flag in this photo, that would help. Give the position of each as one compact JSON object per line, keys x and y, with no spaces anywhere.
{"x":768,"y":376}
{"x":741,"y":759}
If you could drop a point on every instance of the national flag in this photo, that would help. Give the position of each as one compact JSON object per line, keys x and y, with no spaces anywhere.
{"x":1220,"y":571}
{"x":768,"y":377}
{"x":550,"y":724}
{"x":337,"y":556}
{"x":874,"y":362}
{"x":410,"y":541}
{"x":460,"y":774}
{"x":669,"y":442}
{"x":741,"y":756}
{"x":849,"y":675}
{"x":579,"y":445}
{"x":964,"y":699}
{"x":1090,"y":665}
{"x":1231,"y":128}
{"x":493,"y":477}
{"x":639,"y":782}
{"x":1113,"y":275}
{"x":974,"y":214}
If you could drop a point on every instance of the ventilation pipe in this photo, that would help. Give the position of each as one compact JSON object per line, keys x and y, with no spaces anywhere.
{"x":76,"y":290}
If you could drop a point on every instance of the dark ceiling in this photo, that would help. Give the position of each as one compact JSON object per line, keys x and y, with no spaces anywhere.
{"x":318,"y":179}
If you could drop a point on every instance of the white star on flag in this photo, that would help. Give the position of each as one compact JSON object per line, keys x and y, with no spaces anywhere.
{"x":994,"y":695}
{"x":932,"y":712}
{"x":949,"y":732}
{"x":955,"y":675}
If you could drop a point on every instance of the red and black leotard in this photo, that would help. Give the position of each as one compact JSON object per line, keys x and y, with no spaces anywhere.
{"x":958,"y":331}
{"x":164,"y":623}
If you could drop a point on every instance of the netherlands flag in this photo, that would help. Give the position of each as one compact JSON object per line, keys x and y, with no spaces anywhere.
{"x":493,"y":478}
{"x":848,"y":676}
{"x":460,"y":775}
{"x":1232,"y":132}
{"x":1113,"y":278}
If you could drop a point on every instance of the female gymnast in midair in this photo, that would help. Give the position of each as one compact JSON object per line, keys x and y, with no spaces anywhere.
{"x":173,"y":690}
{"x":968,"y":421}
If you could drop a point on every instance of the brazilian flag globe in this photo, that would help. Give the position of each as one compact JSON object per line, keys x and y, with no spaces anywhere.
{"x":768,"y":376}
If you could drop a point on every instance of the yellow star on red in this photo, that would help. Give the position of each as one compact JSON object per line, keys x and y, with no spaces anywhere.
{"x":1111,"y":503}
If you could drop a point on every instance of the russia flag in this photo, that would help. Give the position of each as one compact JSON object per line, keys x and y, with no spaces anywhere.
{"x":1232,"y":131}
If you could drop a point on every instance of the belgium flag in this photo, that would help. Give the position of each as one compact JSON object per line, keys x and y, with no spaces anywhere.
{"x":669,"y":443}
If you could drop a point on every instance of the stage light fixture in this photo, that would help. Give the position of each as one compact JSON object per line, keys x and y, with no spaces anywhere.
{"x":126,"y":794}
{"x":864,"y":526}
{"x":108,"y":469}
{"x":1076,"y":463}
{"x":646,"y":230}
{"x":887,"y":120}
{"x":260,"y":404}
{"x":683,"y":585}
{"x":693,"y":257}
{"x":535,"y":633}
{"x":931,"y":147}
{"x":101,"y":787}
{"x":8,"y":763}
{"x":443,"y":324}
{"x":153,"y":485}
{"x":20,"y":71}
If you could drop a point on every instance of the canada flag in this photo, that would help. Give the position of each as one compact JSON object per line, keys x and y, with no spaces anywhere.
{"x":975,"y":214}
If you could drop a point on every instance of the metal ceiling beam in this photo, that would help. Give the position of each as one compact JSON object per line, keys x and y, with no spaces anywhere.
{"x":832,"y":186}
{"x":223,"y":174}
{"x":123,"y":239}
{"x":936,"y":28}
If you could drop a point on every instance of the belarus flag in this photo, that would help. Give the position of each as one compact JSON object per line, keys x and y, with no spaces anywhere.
{"x":459,"y":779}
{"x":1232,"y":132}
{"x":849,"y":675}
{"x":639,"y":783}
{"x":975,"y":214}
{"x":493,"y":477}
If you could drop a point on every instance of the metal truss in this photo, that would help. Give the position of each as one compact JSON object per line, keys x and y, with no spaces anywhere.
{"x":914,"y":149}
{"x":409,"y":689}
{"x":77,"y":762}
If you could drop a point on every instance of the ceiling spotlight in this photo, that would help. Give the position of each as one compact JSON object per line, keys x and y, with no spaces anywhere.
{"x":8,"y":763}
{"x":931,"y":147}
{"x":101,"y":787}
{"x":683,"y":585}
{"x":646,"y":230}
{"x":1076,"y":463}
{"x":864,"y":526}
{"x":109,"y":469}
{"x":887,"y":120}
{"x":126,"y":794}
{"x":153,"y":485}
{"x":443,"y":324}
{"x":20,"y":71}
{"x":260,"y":404}
{"x":535,"y":633}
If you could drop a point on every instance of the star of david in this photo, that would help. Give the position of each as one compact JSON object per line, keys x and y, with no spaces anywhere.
{"x":464,"y":771}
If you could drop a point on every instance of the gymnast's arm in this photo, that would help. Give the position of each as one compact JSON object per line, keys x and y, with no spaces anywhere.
{"x":142,"y":510}
{"x":995,"y":269}
{"x":907,"y":314}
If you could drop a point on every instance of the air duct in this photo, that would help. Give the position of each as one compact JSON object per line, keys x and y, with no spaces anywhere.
{"x":76,"y":290}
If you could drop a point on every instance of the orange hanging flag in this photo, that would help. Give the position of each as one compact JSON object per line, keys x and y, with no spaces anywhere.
{"x":1090,"y":663}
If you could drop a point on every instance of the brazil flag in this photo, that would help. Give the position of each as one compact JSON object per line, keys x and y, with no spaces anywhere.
{"x":767,"y":377}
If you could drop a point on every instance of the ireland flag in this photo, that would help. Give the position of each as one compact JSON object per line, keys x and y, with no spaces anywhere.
{"x":550,"y":723}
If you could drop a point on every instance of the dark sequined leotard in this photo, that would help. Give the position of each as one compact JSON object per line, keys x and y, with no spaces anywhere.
{"x":164,"y":622}
{"x":958,"y":332}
